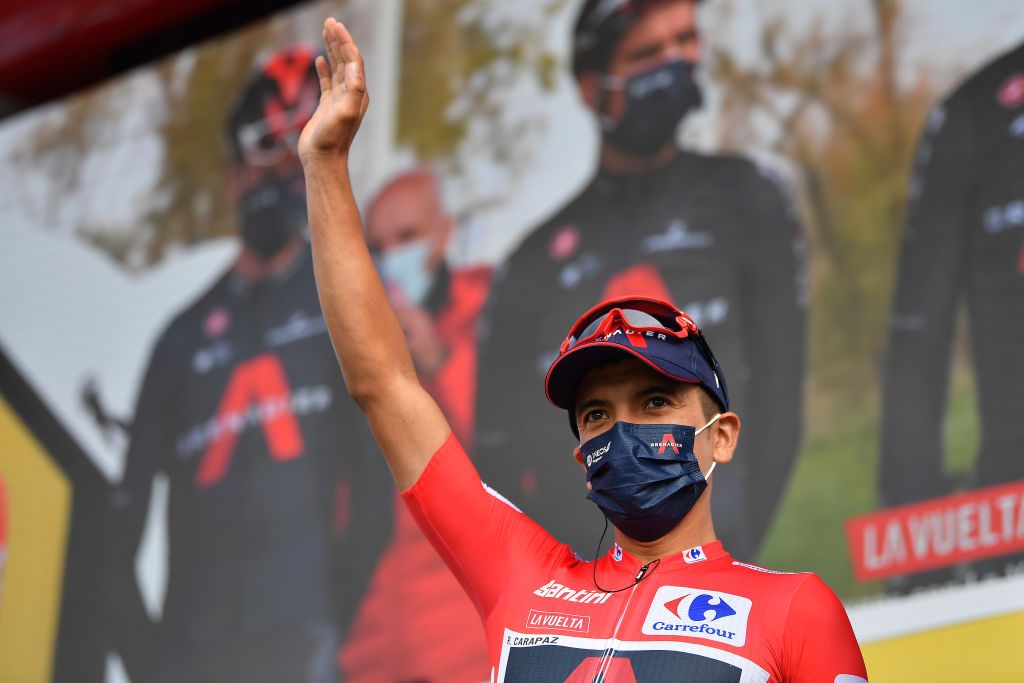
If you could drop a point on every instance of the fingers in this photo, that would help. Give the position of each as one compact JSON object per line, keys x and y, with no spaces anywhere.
{"x":332,"y":41}
{"x":343,"y":54}
{"x":323,"y":72}
{"x":327,"y":44}
{"x":349,"y":49}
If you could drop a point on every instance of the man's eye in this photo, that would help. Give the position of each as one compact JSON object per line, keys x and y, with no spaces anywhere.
{"x":592,"y":415}
{"x":656,"y":402}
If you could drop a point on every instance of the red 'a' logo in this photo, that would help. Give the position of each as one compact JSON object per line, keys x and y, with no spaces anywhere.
{"x":666,"y":441}
{"x":592,"y":669}
{"x":257,"y":387}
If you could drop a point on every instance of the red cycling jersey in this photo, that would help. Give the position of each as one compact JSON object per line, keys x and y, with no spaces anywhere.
{"x":698,"y":615}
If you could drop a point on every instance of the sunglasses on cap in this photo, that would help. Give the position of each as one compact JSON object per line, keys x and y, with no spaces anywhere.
{"x":266,"y":141}
{"x":637,"y":314}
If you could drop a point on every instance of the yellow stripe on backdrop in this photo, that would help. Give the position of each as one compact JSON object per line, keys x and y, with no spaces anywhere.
{"x":989,"y":650}
{"x":39,"y":503}
{"x":966,"y":632}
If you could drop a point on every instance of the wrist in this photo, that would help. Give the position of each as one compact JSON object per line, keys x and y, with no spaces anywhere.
{"x":332,"y":162}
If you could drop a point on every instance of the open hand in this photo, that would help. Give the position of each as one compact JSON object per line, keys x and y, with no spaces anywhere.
{"x":343,"y":97}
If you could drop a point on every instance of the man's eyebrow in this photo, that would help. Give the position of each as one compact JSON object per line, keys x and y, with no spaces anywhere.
{"x":592,"y":403}
{"x":688,"y":35}
{"x":644,"y":51}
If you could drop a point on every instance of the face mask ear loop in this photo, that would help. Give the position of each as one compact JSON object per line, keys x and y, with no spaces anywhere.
{"x":710,"y":470}
{"x":709,"y":423}
{"x":608,"y":83}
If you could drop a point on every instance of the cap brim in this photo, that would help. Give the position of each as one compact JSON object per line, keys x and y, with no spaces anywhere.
{"x":566,"y":373}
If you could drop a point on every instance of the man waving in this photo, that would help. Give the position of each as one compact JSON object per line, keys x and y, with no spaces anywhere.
{"x":650,"y":406}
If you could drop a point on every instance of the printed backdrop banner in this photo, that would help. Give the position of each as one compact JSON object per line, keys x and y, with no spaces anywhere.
{"x":188,"y":493}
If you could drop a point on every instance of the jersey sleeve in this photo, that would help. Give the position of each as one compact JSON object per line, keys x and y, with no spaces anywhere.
{"x":483,"y":538}
{"x":818,"y":643}
{"x":921,"y":326}
{"x":774,"y":322}
{"x":149,"y":439}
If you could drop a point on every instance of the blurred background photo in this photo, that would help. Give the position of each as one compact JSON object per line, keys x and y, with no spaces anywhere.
{"x":833,"y":190}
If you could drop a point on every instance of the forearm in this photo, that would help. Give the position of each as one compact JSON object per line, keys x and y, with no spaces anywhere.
{"x":367,"y":338}
{"x":366,"y":335}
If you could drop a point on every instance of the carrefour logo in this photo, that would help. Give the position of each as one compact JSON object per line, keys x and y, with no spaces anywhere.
{"x":698,"y":613}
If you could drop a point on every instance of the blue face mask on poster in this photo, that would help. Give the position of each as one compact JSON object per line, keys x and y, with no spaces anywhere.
{"x":405,"y":268}
{"x":645,"y":477}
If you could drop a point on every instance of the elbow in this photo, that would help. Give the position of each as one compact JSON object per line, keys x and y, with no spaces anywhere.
{"x":370,"y":394}
{"x":365,"y":394}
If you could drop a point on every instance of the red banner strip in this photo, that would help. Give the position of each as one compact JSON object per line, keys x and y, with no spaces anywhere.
{"x":937,"y":533}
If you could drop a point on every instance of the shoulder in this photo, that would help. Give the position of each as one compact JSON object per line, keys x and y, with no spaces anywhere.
{"x":999,"y":82}
{"x":204,"y":319}
{"x":994,"y":90}
{"x":754,"y":184}
{"x":779,"y":583}
{"x":556,"y":239}
{"x":800,"y":604}
{"x":717,"y":167}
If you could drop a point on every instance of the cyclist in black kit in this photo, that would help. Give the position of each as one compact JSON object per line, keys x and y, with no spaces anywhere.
{"x":713,"y":234}
{"x":963,"y":242}
{"x":276,"y":515}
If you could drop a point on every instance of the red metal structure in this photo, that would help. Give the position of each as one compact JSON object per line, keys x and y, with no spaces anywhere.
{"x":49,"y":48}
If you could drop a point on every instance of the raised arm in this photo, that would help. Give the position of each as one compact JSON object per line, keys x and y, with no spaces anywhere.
{"x":374,"y":357}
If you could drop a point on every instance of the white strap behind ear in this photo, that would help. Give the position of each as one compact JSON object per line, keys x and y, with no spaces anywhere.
{"x":708,"y":424}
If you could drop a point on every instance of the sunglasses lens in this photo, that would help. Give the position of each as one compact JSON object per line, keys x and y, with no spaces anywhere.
{"x":633,"y":317}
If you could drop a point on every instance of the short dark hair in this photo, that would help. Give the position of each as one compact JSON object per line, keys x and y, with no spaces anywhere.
{"x":709,"y":403}
{"x":600,"y":26}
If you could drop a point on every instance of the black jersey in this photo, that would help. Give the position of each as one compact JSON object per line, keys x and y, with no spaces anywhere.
{"x":963,"y":242}
{"x":712,"y":234}
{"x":276,"y":510}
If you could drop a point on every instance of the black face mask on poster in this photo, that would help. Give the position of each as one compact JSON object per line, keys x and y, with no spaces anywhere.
{"x":272,"y":212}
{"x":656,"y":101}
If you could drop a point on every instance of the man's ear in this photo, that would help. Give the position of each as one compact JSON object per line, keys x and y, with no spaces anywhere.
{"x":590,"y":89}
{"x":726,"y":435}
{"x":235,"y":180}
{"x":441,"y":244}
{"x":578,"y":454}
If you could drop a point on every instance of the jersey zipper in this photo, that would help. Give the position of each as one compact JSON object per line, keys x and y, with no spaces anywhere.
{"x":610,"y":650}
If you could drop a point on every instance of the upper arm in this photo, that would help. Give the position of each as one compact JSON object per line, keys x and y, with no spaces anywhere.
{"x":933,"y":234}
{"x":775,"y":273}
{"x":818,"y":643}
{"x":149,"y":439}
{"x":773,"y":318}
{"x":924,"y":305}
{"x":407,"y":424}
{"x":481,"y":536}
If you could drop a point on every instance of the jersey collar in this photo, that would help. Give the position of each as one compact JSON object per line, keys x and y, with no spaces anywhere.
{"x":691,"y":557}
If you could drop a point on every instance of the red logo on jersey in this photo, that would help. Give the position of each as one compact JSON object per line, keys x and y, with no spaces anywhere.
{"x":564,"y":243}
{"x":666,"y":441}
{"x":643,"y":279}
{"x":217,"y":322}
{"x":257,"y":385}
{"x":673,"y":605}
{"x":617,"y":669}
{"x":1011,"y":94}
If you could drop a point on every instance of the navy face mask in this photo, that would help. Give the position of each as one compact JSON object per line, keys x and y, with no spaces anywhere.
{"x":645,"y":477}
{"x":272,"y":213}
{"x":656,"y":101}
